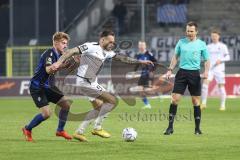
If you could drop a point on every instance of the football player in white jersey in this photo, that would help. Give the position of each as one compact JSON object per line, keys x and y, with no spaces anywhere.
{"x":93,"y":56}
{"x":218,"y":56}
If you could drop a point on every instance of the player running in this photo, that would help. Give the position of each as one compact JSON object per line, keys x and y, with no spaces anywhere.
{"x":147,"y":75}
{"x":218,"y":56}
{"x":93,"y":55}
{"x":43,"y":90}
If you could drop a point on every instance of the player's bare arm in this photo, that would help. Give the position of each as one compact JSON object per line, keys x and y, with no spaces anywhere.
{"x":130,"y":60}
{"x":206,"y":69}
{"x":172,"y":65}
{"x":72,"y":63}
{"x":173,"y":62}
{"x":51,"y":69}
{"x":68,"y":53}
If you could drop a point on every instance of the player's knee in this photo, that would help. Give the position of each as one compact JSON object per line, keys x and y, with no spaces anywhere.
{"x":195,"y":101}
{"x":175,"y":99}
{"x":114,"y":101}
{"x":46,"y":114}
{"x":97,"y":103}
{"x":109,"y":98}
{"x":65,"y":103}
{"x":66,"y":107}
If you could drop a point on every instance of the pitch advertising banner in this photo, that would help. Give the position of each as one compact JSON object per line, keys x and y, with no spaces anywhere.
{"x":232,"y":86}
{"x":10,"y":87}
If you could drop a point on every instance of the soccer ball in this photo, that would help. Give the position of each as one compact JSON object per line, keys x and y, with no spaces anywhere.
{"x":129,"y":134}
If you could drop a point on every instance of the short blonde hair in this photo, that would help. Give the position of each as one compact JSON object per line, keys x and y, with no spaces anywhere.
{"x":60,"y":35}
{"x":216,"y":30}
{"x":142,"y":43}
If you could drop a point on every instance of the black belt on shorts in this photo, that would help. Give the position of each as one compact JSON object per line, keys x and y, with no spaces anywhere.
{"x":87,"y":79}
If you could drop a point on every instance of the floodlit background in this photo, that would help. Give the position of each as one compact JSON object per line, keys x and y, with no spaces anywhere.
{"x":26,"y":29}
{"x":27,"y":26}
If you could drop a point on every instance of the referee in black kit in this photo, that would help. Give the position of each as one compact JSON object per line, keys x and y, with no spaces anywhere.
{"x":189,"y":51}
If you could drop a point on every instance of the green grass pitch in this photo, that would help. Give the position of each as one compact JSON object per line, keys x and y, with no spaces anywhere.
{"x":220,"y":139}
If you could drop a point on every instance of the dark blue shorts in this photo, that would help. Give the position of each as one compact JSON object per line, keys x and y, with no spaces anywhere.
{"x":144,"y":81}
{"x":42,"y":96}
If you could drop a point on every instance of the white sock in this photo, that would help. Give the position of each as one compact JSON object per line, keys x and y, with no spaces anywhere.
{"x":222,"y":96}
{"x":105,"y":109}
{"x":204,"y":93}
{"x":88,"y":119}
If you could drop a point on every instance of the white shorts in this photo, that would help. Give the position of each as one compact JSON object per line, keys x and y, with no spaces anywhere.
{"x":90,"y":89}
{"x":219,"y":76}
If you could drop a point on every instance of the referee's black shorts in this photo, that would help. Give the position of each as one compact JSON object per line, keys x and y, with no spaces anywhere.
{"x":187,"y":78}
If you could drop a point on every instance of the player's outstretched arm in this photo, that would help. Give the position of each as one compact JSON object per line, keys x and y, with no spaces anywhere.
{"x":68,"y":53}
{"x":130,"y":60}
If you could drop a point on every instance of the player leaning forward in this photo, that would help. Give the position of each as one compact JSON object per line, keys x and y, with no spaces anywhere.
{"x":93,"y":56}
{"x":43,"y":89}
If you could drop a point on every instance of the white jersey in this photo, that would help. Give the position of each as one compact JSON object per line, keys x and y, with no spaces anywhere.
{"x":218,"y":51}
{"x":92,"y":59}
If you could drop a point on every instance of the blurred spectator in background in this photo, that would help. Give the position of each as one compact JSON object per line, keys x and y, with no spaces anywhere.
{"x":120,"y":12}
{"x":147,"y":71}
{"x":180,"y":1}
{"x":4,"y":3}
{"x":163,"y":2}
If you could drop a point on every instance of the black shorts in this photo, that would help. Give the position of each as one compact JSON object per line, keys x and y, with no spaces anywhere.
{"x":42,"y":96}
{"x":187,"y":78}
{"x":144,"y":81}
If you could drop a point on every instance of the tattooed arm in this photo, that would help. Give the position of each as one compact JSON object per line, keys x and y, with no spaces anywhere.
{"x":130,"y":60}
{"x":67,"y":54}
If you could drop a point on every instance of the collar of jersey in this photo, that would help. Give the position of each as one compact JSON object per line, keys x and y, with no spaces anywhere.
{"x":55,"y":52}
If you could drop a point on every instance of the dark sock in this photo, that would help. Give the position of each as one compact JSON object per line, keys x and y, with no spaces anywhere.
{"x":35,"y":122}
{"x":63,"y":114}
{"x":145,"y":101}
{"x":197,"y":116}
{"x":172,"y":113}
